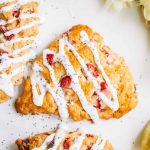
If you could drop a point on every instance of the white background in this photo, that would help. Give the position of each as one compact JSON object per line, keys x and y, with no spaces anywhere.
{"x":126,"y":34}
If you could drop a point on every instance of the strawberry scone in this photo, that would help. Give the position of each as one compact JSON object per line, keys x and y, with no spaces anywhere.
{"x":79,"y":77}
{"x":19,"y":25}
{"x":63,"y":140}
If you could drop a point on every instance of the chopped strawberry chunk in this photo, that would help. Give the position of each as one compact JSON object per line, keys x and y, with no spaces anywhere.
{"x":94,"y":94}
{"x":98,"y":104}
{"x":110,"y":59}
{"x":3,"y":51}
{"x":105,"y":50}
{"x":67,"y":143}
{"x":30,"y":11}
{"x":3,"y":29}
{"x":109,"y":54}
{"x":50,"y":58}
{"x":88,"y":148}
{"x":89,"y":135}
{"x":93,"y":70}
{"x":65,"y":82}
{"x":16,"y":13}
{"x":103,"y":86}
{"x":9,"y":37}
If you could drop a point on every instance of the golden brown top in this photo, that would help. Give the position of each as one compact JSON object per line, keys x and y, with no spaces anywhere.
{"x":114,"y":66}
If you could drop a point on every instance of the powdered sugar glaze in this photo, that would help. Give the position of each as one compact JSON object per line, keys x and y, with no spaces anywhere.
{"x":11,"y":58}
{"x":62,"y":58}
{"x":59,"y":138}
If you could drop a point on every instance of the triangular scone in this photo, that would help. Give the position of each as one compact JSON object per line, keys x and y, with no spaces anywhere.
{"x":63,"y":140}
{"x":19,"y":23}
{"x":78,"y":77}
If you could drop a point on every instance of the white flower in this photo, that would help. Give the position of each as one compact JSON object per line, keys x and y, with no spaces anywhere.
{"x":119,"y":4}
{"x":146,"y":11}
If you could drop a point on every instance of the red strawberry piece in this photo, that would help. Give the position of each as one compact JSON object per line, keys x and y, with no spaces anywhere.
{"x":9,"y":37}
{"x":11,"y":57}
{"x":16,"y":13}
{"x":110,"y":59}
{"x":3,"y":51}
{"x":103,"y":86}
{"x":67,"y":143}
{"x":3,"y":29}
{"x":93,"y":70}
{"x":94,"y":94}
{"x":65,"y":82}
{"x":109,"y":54}
{"x":89,"y":135}
{"x":98,"y":104}
{"x":105,"y":50}
{"x":30,"y":11}
{"x":88,"y":148}
{"x":50,"y":58}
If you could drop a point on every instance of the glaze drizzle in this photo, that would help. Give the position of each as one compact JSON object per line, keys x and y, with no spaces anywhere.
{"x":62,"y":58}
{"x":11,"y":58}
{"x":60,"y":136}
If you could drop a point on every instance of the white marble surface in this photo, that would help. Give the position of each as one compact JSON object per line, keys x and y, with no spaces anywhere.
{"x":126,"y":34}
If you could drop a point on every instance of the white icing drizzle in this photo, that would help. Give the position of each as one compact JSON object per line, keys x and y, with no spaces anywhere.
{"x":77,"y":143}
{"x":57,"y":93}
{"x":75,"y":85}
{"x":114,"y":105}
{"x":17,"y":51}
{"x":3,"y":45}
{"x":17,"y":71}
{"x":5,"y":79}
{"x":6,"y":1}
{"x":27,"y":16}
{"x":62,"y":58}
{"x":99,"y":145}
{"x":17,"y":30}
{"x":6,"y":61}
{"x":6,"y":85}
{"x":102,"y":145}
{"x":15,"y":5}
{"x":21,"y":16}
{"x":59,"y":137}
{"x":24,"y":58}
{"x":90,"y":76}
{"x":37,"y":79}
{"x":60,"y":99}
{"x":46,"y":142}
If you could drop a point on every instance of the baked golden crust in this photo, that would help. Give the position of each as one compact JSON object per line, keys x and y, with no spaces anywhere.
{"x":116,"y":70}
{"x":37,"y":140}
{"x":8,"y":25}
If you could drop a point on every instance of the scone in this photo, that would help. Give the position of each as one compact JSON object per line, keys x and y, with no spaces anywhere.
{"x":79,"y":77}
{"x":63,"y":140}
{"x":19,"y":23}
